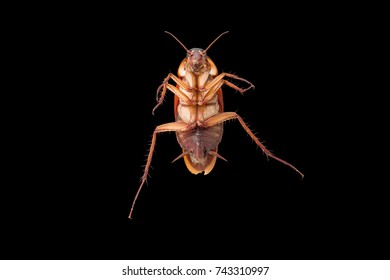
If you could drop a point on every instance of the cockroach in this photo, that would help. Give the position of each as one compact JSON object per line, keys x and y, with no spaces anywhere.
{"x":199,"y":113}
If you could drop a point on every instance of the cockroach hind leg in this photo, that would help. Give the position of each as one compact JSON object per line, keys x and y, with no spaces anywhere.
{"x":225,"y":116}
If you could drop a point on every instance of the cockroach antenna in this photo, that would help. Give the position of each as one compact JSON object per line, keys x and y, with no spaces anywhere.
{"x":204,"y":51}
{"x":177,"y":40}
{"x":215,"y":40}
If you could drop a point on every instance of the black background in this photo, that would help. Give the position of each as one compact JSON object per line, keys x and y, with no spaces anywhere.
{"x":85,"y":124}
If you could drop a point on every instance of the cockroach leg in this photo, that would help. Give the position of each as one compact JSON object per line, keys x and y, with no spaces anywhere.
{"x":222,"y":117}
{"x":220,"y":77}
{"x":233,"y":86}
{"x":173,"y":126}
{"x":165,"y":85}
{"x":238,"y":78}
{"x":218,"y":82}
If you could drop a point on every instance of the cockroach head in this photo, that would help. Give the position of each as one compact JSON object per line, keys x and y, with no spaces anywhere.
{"x":196,"y":57}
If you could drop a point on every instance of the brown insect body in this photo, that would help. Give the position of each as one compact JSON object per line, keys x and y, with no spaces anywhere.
{"x":200,"y":143}
{"x":199,"y":113}
{"x":200,"y":147}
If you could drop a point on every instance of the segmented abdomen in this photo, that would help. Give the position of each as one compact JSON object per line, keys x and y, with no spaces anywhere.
{"x":200,"y":137}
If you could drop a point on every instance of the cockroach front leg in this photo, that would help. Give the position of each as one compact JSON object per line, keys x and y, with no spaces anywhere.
{"x":218,"y":82}
{"x":165,"y":85}
{"x":222,"y":117}
{"x":174,"y":126}
{"x":220,"y":77}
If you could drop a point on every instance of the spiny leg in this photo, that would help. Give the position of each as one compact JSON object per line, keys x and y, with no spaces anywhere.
{"x":174,"y":126}
{"x":222,"y":117}
{"x":217,"y":83}
{"x":176,"y":91}
{"x":238,"y":78}
{"x":165,"y":85}
{"x":220,"y":77}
